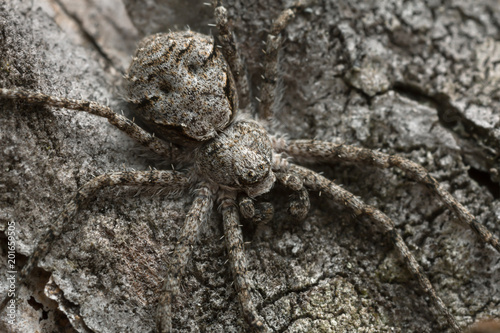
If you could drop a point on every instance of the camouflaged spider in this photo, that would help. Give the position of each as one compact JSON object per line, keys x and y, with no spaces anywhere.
{"x":184,"y":89}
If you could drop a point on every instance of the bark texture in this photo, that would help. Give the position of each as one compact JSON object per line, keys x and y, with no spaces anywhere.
{"x":415,"y":78}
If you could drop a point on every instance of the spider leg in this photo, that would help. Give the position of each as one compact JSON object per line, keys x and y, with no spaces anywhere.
{"x":309,"y":151}
{"x":299,"y":204}
{"x":232,"y":53}
{"x":270,"y":86}
{"x":197,"y":215}
{"x":238,"y":262}
{"x":316,"y":182}
{"x":264,"y":212}
{"x":121,"y":122}
{"x":247,"y":207}
{"x":167,"y":179}
{"x":258,"y":213}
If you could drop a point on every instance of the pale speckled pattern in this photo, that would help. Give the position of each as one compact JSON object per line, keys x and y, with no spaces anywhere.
{"x":316,"y":182}
{"x":168,"y":180}
{"x":182,"y":87}
{"x":232,"y":54}
{"x":237,"y":259}
{"x":240,"y":159}
{"x":311,"y":151}
{"x":166,"y":150}
{"x":198,"y":214}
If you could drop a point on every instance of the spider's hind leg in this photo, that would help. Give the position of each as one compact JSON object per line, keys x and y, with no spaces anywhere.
{"x":273,"y":44}
{"x":269,"y":88}
{"x":170,"y":152}
{"x":232,"y":53}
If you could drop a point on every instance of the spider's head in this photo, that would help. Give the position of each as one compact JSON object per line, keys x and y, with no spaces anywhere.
{"x":239,"y":159}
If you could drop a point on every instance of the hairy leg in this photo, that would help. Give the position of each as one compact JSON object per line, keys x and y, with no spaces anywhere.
{"x":316,"y":182}
{"x":169,"y":180}
{"x":124,"y":124}
{"x":270,"y":86}
{"x":260,"y":212}
{"x":238,"y":262}
{"x":232,"y":53}
{"x":299,"y":201}
{"x":310,"y":151}
{"x":197,"y":215}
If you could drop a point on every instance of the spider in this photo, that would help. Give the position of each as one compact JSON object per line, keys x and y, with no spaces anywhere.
{"x":250,"y":180}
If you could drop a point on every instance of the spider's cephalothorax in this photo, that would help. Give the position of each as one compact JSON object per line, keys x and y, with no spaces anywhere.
{"x":185,"y":91}
{"x":240,"y":159}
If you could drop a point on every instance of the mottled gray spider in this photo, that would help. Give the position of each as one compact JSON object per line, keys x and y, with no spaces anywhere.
{"x":187,"y":94}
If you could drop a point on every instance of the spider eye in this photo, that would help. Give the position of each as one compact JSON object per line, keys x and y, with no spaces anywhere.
{"x":192,"y":68}
{"x":251,"y":177}
{"x":255,"y":175}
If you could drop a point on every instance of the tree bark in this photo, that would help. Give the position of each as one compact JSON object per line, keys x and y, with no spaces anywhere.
{"x":418,"y":79}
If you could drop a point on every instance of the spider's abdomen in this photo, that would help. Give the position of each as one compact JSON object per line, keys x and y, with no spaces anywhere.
{"x":182,"y":87}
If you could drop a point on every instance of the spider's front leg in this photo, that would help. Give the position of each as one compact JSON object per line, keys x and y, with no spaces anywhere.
{"x":168,"y":180}
{"x":311,"y":151}
{"x":197,"y":215}
{"x":236,"y":251}
{"x":316,"y":182}
{"x":263,"y":212}
{"x":299,"y":204}
{"x":240,"y":161}
{"x":260,"y":212}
